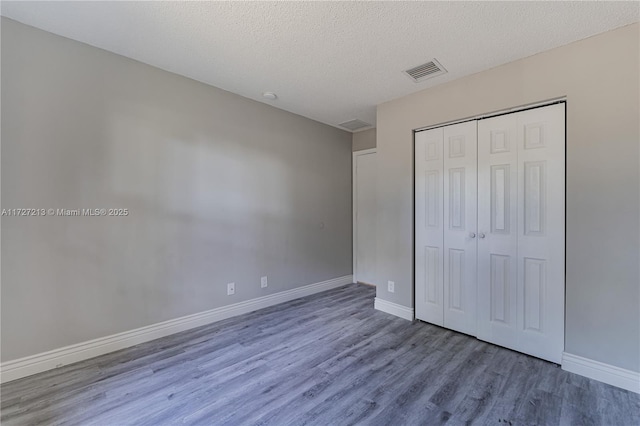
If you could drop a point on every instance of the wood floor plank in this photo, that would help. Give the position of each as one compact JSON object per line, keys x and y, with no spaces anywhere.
{"x":326,"y":359}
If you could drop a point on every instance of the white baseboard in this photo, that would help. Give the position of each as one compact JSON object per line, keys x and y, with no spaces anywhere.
{"x":394,"y":309}
{"x":609,"y":374}
{"x":12,"y":370}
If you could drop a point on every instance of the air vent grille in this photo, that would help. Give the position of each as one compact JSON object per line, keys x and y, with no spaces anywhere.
{"x":429,"y":70}
{"x":354,"y":125}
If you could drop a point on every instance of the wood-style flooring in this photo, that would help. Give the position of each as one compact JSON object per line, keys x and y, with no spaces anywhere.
{"x":326,"y":359}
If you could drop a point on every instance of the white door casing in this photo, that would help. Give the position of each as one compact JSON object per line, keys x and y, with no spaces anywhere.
{"x":429,"y":228}
{"x":364,"y":216}
{"x":460,"y":222}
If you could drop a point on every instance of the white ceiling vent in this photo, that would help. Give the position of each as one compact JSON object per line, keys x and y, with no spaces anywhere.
{"x":425,"y":71}
{"x":354,"y":125}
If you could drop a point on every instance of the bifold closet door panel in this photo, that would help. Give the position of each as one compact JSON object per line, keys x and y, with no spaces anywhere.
{"x":460,"y":222}
{"x":521,"y":188}
{"x":497,"y":230}
{"x":541,"y":229}
{"x":429,"y":226}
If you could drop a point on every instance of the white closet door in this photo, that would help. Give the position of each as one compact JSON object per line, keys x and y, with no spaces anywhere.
{"x":497,"y":230}
{"x":460,"y":222}
{"x":541,"y":227}
{"x":521,"y":213}
{"x":429,"y":226}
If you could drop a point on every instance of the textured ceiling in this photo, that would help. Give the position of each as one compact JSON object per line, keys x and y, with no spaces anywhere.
{"x":329,"y":61}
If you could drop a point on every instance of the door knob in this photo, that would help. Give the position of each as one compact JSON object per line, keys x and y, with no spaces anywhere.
{"x":472,"y":235}
{"x":481,"y":235}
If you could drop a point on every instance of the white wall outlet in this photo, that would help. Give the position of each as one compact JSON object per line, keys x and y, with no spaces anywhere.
{"x":263,"y":282}
{"x":231,"y":289}
{"x":391,"y":286}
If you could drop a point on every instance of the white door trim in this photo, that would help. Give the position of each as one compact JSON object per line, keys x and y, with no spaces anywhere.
{"x":495,"y":113}
{"x":354,"y":209}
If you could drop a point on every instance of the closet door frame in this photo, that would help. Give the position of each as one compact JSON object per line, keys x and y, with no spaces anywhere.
{"x":517,"y":218}
{"x":354,"y":180}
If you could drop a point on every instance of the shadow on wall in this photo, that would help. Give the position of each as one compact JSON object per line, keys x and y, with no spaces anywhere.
{"x":204,"y":209}
{"x":218,"y":189}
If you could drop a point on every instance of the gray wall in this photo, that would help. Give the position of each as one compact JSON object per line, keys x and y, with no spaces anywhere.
{"x":599,"y":76}
{"x":219,"y":188}
{"x":365,"y":139}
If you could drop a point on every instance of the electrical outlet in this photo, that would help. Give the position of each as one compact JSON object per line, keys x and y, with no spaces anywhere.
{"x":231,"y":289}
{"x":391,"y":286}
{"x":263,"y":282}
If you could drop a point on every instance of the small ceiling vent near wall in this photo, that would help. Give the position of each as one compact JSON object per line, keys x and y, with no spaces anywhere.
{"x":354,"y":125}
{"x":422,"y":72}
